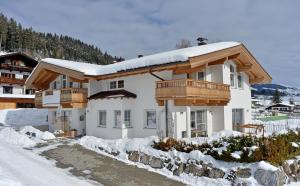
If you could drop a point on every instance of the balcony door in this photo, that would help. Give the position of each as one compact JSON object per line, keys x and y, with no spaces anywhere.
{"x":198,"y":123}
{"x":237,"y":118}
{"x":198,"y":75}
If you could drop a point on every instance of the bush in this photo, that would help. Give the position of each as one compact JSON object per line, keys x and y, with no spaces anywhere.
{"x":274,"y":149}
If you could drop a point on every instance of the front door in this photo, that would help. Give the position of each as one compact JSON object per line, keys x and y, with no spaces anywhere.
{"x":198,"y":123}
{"x":237,"y":119}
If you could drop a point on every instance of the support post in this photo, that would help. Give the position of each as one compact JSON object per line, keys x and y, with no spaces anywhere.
{"x":188,"y":122}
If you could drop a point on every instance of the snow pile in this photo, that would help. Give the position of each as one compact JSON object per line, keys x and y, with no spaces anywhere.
{"x":26,"y":137}
{"x":11,"y":136}
{"x":151,"y":60}
{"x":22,"y":117}
{"x":35,"y":133}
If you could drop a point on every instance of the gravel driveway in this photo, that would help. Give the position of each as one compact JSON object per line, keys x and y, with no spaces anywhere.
{"x":103,"y":169}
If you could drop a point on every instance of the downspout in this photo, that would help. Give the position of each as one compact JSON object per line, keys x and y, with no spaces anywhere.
{"x":166,"y":103}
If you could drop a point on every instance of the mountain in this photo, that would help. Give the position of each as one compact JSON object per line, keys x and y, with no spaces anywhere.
{"x":15,"y":38}
{"x":269,"y":89}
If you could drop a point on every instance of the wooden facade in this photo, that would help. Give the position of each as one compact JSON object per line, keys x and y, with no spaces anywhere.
{"x":189,"y":92}
{"x":69,"y":97}
{"x":14,"y":70}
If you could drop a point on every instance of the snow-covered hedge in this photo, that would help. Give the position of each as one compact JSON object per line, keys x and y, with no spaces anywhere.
{"x":274,"y":149}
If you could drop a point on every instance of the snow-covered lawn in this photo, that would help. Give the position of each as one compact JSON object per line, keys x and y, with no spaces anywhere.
{"x":20,"y":167}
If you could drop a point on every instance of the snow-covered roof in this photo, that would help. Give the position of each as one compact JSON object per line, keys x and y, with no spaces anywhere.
{"x":17,"y":96}
{"x":150,"y":60}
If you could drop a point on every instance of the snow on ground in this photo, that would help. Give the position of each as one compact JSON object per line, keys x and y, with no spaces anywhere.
{"x":23,"y":167}
{"x":144,"y":145}
{"x":22,"y":117}
{"x":20,"y":167}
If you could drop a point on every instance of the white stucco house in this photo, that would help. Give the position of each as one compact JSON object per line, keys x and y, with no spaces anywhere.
{"x":181,"y":93}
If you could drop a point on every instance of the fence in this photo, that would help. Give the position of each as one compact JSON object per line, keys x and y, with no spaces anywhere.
{"x":276,"y":126}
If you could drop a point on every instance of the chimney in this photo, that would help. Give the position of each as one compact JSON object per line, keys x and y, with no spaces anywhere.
{"x":140,"y":55}
{"x":202,"y":41}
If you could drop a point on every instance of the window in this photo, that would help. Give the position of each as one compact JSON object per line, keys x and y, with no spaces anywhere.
{"x":54,"y":85}
{"x":113,"y":85}
{"x":71,"y":84}
{"x":232,"y":76}
{"x":102,"y":118}
{"x":81,"y":117}
{"x":151,"y":119}
{"x":7,"y":90}
{"x":118,"y":121}
{"x":8,"y":75}
{"x":25,"y":76}
{"x":116,"y":84}
{"x":198,"y":121}
{"x":64,"y":81}
{"x":201,"y":75}
{"x":121,"y":84}
{"x":127,"y":118}
{"x":240,"y":81}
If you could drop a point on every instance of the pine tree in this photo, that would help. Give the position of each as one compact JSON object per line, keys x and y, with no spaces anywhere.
{"x":13,"y":37}
{"x":276,"y":97}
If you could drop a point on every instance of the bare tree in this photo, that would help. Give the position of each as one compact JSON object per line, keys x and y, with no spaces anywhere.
{"x":183,"y":43}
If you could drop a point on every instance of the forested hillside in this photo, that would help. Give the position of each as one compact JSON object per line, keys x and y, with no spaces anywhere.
{"x":13,"y":38}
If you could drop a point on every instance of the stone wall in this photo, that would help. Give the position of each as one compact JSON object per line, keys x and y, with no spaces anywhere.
{"x":289,"y":171}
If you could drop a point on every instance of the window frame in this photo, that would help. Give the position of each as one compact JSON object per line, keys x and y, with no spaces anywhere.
{"x":147,"y":126}
{"x":99,"y":124}
{"x":127,"y":120}
{"x":232,"y":70}
{"x":118,"y":84}
{"x":9,"y":92}
{"x":116,"y":124}
{"x":240,"y":81}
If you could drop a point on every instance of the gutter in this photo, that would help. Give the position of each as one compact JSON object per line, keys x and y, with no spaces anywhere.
{"x":166,"y":103}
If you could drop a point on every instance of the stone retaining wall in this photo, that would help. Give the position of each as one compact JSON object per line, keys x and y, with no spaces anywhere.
{"x":286,"y":173}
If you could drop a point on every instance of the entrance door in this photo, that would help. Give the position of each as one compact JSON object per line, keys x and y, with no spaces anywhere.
{"x":198,"y":123}
{"x":237,"y":119}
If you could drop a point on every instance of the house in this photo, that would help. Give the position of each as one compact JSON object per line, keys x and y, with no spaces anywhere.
{"x":281,"y":107}
{"x":14,"y":69}
{"x":181,"y":93}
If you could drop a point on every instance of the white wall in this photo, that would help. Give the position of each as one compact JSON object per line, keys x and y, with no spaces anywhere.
{"x":240,"y":97}
{"x":144,"y":87}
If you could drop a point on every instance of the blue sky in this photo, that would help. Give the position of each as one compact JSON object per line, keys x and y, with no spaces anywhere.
{"x":269,"y":28}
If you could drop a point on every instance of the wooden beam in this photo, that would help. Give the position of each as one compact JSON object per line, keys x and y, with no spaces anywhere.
{"x":244,"y":68}
{"x":189,"y":70}
{"x":234,"y":56}
{"x":217,"y":62}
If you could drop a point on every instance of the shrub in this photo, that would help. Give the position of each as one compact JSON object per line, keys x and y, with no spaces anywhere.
{"x":274,"y":149}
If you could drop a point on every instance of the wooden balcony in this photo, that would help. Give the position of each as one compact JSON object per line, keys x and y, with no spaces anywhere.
{"x":73,"y":97}
{"x":189,"y":92}
{"x":15,"y":81}
{"x":38,"y":101}
{"x":15,"y":68}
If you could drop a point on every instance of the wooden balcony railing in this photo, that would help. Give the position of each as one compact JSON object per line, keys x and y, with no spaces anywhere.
{"x":16,"y":81}
{"x":187,"y":92}
{"x":38,"y":101}
{"x":15,"y":68}
{"x":73,"y":97}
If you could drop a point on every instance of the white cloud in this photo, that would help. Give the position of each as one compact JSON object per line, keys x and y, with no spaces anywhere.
{"x":270,"y":29}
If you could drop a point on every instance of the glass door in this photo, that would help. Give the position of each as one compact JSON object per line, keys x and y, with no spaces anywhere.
{"x":237,"y":119}
{"x":198,"y":123}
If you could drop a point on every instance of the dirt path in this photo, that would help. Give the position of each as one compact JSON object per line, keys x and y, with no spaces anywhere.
{"x":103,"y":169}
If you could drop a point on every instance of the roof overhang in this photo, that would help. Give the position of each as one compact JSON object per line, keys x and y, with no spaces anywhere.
{"x":44,"y":73}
